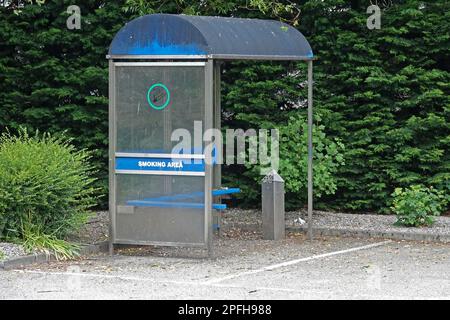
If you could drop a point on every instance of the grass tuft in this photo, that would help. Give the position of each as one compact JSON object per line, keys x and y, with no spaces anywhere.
{"x":35,"y":240}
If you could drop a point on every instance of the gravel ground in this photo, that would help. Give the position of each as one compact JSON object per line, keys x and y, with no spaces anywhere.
{"x":376,"y":223}
{"x":10,"y":250}
{"x":365,"y":222}
{"x":96,"y":230}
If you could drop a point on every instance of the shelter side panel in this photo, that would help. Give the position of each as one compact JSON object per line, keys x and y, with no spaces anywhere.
{"x":156,"y":208}
{"x":152,"y":102}
{"x":159,"y":200}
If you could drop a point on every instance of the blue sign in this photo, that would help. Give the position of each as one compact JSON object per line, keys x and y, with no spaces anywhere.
{"x":159,"y":164}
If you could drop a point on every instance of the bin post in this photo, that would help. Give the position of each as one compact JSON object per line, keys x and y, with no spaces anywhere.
{"x":273,"y":206}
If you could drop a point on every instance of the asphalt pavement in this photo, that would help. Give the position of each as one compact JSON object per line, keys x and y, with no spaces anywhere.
{"x":249,"y":268}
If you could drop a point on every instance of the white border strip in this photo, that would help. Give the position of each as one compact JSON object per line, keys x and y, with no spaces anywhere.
{"x":162,"y":173}
{"x":158,"y":57}
{"x":159,"y":155}
{"x":159,"y":64}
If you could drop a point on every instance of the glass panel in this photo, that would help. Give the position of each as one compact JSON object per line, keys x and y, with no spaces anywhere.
{"x":153,"y":101}
{"x":153,"y":208}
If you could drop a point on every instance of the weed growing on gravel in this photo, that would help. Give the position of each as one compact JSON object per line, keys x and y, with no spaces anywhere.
{"x":418,"y":205}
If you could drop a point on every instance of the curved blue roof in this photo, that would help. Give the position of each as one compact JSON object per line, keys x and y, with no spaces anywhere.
{"x":213,"y":37}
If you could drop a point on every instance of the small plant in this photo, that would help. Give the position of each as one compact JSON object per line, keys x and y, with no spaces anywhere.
{"x":46,"y":191}
{"x":418,"y":205}
{"x":2,"y":255}
{"x":293,"y":165}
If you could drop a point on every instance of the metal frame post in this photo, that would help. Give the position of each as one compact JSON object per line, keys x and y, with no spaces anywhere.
{"x":310,"y":149}
{"x":111,"y":162}
{"x":217,"y":121}
{"x":209,"y":121}
{"x":217,"y":168}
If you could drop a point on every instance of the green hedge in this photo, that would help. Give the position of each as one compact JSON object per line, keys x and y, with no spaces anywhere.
{"x":383,"y":93}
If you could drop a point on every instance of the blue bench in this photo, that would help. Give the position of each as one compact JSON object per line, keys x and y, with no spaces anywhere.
{"x":168,"y":204}
{"x":173,"y":201}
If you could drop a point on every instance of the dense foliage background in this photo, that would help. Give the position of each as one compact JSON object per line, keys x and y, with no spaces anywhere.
{"x":383,"y":93}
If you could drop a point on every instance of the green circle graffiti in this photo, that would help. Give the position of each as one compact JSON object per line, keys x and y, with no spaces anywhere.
{"x":156,"y":93}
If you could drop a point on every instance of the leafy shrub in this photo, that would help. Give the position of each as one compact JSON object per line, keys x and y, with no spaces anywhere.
{"x":417,"y":205}
{"x":293,"y":165}
{"x":45,"y":185}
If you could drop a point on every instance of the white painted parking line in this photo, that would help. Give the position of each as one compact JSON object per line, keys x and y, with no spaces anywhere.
{"x":343,"y":270}
{"x":141,"y":279}
{"x":304,"y":293}
{"x":212,"y":282}
{"x":104,"y":276}
{"x":296,"y":261}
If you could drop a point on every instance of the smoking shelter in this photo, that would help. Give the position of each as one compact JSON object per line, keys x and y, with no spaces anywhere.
{"x":164,"y":74}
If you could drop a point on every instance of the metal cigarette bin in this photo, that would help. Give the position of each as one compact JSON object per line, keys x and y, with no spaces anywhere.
{"x":273,"y":215}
